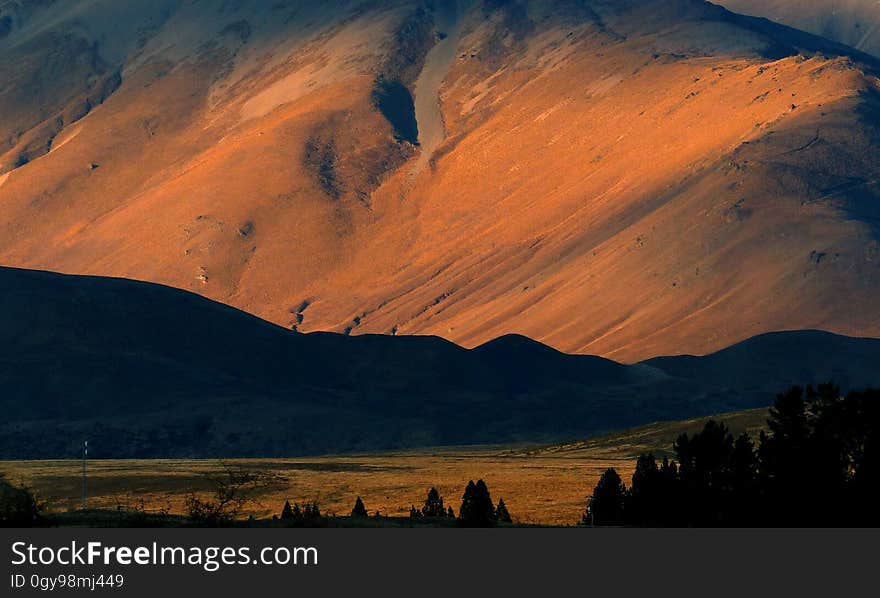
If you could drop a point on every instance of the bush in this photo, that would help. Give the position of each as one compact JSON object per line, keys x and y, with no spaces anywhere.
{"x":18,"y":507}
{"x":206,"y":512}
{"x":233,"y":489}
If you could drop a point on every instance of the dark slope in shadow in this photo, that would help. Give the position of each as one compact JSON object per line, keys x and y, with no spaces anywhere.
{"x":787,"y":41}
{"x":788,"y":357}
{"x":144,"y":370}
{"x":395,"y":102}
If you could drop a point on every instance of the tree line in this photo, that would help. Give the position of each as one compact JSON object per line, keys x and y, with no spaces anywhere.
{"x":817,"y":464}
{"x":476,"y":510}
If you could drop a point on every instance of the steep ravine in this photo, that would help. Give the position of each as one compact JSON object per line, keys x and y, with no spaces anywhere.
{"x":429,"y":116}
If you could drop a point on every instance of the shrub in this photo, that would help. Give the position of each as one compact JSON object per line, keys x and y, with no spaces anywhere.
{"x":18,"y":507}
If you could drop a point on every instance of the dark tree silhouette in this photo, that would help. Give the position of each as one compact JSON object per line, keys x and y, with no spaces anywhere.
{"x":476,"y":509}
{"x":311,"y":512}
{"x":359,"y":509}
{"x":816,"y":465}
{"x":301,"y":515}
{"x":864,"y":492}
{"x":704,"y":469}
{"x":743,"y":491}
{"x":414,"y":513}
{"x":670,"y":494}
{"x":786,"y":457}
{"x":501,"y":513}
{"x":606,"y":506}
{"x":450,"y":513}
{"x":18,"y":507}
{"x":433,"y":505}
{"x":644,"y":505}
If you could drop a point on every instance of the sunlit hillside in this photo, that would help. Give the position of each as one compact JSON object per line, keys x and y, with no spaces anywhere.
{"x":628,"y":179}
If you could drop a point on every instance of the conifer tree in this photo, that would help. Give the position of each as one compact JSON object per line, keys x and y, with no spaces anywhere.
{"x":311,"y":511}
{"x":607,"y":503}
{"x":501,"y":513}
{"x":433,"y":505}
{"x":476,"y":509}
{"x":359,"y":509}
{"x":643,"y":502}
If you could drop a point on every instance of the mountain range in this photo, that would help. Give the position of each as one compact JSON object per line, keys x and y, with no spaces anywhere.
{"x":623,"y":178}
{"x":143,"y":370}
{"x":281,"y":228}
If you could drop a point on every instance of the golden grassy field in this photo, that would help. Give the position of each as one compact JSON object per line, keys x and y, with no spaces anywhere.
{"x":540,"y":484}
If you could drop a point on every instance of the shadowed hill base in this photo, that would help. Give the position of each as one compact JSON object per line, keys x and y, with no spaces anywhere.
{"x":145,"y":370}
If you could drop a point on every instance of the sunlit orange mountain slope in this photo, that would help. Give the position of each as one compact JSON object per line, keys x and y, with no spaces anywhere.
{"x":622,"y":178}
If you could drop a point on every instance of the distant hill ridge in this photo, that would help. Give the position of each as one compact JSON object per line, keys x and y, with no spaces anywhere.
{"x":855,"y":23}
{"x":144,"y":370}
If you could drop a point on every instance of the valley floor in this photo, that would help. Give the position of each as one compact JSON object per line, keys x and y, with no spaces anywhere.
{"x":544,"y":485}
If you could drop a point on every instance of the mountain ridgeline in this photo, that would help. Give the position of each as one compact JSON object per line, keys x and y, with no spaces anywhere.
{"x":143,"y":370}
{"x":607,"y":177}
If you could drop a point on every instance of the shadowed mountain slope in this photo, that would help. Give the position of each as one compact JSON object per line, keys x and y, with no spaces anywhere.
{"x":145,"y":370}
{"x":788,"y":357}
{"x":855,"y":23}
{"x":619,"y":178}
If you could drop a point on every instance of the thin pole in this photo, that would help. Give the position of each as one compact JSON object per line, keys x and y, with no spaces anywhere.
{"x":85,"y":455}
